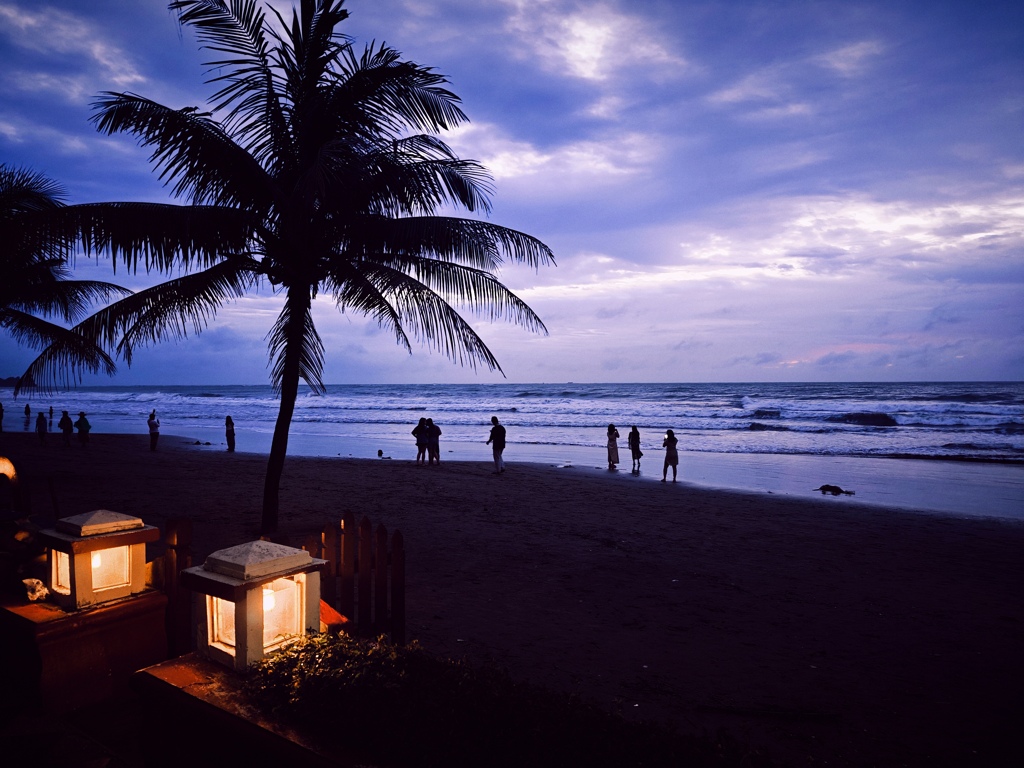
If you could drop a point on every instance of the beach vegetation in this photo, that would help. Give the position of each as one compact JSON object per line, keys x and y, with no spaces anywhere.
{"x":37,"y":292}
{"x":318,"y":168}
{"x":396,"y":705}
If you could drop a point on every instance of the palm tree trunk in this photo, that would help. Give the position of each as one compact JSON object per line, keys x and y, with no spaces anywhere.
{"x":298,"y":306}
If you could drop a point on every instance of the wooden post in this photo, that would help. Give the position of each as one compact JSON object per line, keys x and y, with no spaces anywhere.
{"x":177,"y":557}
{"x":346,"y":603}
{"x":328,"y":581}
{"x":365,"y":574}
{"x":398,"y":589}
{"x":380,"y":579}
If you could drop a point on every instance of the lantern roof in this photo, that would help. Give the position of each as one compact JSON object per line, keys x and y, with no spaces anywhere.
{"x":257,"y":559}
{"x":99,"y":521}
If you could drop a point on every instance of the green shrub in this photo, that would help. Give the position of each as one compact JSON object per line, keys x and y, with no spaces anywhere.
{"x":401,"y":706}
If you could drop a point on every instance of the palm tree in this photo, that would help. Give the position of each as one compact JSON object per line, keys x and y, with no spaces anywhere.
{"x":36,"y":285}
{"x":323,"y":175}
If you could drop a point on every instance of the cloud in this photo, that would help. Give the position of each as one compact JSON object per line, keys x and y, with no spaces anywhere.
{"x":853,"y":59}
{"x":48,"y":30}
{"x":594,"y":43}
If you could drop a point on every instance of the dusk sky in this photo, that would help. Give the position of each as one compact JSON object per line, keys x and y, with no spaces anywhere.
{"x":734,"y":191}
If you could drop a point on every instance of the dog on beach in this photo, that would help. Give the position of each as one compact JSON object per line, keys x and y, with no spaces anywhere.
{"x":835,"y":490}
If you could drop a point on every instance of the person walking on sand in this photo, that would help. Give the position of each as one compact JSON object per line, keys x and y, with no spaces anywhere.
{"x":420,"y":433}
{"x":497,"y":443}
{"x":83,"y":426}
{"x":41,"y":427}
{"x":229,"y":433}
{"x":154,"y":430}
{"x":671,"y":455}
{"x":634,"y":449}
{"x":433,"y":442}
{"x":613,"y":447}
{"x":66,"y":427}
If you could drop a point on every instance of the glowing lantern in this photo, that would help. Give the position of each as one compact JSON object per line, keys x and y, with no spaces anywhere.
{"x":96,"y":557}
{"x":253,"y":599}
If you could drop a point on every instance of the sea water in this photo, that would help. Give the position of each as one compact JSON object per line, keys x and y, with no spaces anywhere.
{"x":952,"y":447}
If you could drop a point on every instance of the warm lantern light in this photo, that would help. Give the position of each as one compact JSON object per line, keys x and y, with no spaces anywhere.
{"x":97,"y":557}
{"x":253,"y":599}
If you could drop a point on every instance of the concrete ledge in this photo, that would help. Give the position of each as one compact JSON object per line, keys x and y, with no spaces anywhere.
{"x":199,"y":716}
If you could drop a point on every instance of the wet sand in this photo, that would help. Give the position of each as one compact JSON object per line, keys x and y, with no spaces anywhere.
{"x":821,"y":631}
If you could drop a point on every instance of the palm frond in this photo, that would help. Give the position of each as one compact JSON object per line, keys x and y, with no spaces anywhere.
{"x":389,"y":96}
{"x":160,"y":236}
{"x":192,"y":152}
{"x":25,"y":191}
{"x":475,"y":243}
{"x":412,"y":304}
{"x":66,"y":357}
{"x":251,"y":87}
{"x":295,"y":342}
{"x":172,"y":309}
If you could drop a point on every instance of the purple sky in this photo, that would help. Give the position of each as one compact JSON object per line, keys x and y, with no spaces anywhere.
{"x":734,"y":191}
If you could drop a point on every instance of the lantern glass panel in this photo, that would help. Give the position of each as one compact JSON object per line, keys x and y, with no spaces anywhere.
{"x":282,"y":610}
{"x":61,"y":577}
{"x":222,"y":624}
{"x":110,"y":568}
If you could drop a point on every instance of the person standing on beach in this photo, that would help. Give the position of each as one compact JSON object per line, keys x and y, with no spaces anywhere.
{"x":497,"y":442}
{"x":154,"y":430}
{"x":671,"y":455}
{"x":229,"y":433}
{"x":634,"y":449}
{"x":420,"y":433}
{"x":83,"y":426}
{"x":1,"y":417}
{"x":66,"y":427}
{"x":613,"y":447}
{"x":41,"y":427}
{"x":433,"y":442}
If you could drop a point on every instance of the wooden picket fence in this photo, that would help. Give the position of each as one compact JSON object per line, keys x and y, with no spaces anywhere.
{"x":364,"y":579}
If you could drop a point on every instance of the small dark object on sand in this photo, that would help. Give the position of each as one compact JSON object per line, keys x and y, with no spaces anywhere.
{"x":835,"y":490}
{"x":380,"y":455}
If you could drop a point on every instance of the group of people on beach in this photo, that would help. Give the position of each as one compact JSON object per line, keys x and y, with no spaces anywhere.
{"x":428,"y":442}
{"x":66,"y":426}
{"x":428,"y":450}
{"x":670,"y":444}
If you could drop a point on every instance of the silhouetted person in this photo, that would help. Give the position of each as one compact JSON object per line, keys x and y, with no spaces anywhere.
{"x":1,"y":417}
{"x":66,"y":427}
{"x":671,"y":455}
{"x":497,"y":442}
{"x":229,"y":433}
{"x":433,"y":442}
{"x":83,"y":426}
{"x":634,"y":448}
{"x":41,"y":427}
{"x":28,"y":412}
{"x":154,"y":430}
{"x":420,"y":433}
{"x":613,"y":447}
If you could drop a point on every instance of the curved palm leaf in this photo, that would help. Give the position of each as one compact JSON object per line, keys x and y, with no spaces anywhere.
{"x":191,"y":151}
{"x":67,"y":356}
{"x":171,"y":309}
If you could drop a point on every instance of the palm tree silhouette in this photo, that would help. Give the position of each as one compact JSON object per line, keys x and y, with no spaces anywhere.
{"x":322,"y":175}
{"x":36,"y":285}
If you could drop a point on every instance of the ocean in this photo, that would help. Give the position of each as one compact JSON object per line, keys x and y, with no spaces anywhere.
{"x":955,"y":448}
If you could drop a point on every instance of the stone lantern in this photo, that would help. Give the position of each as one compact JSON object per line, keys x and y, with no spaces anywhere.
{"x":253,"y":599}
{"x":96,"y":557}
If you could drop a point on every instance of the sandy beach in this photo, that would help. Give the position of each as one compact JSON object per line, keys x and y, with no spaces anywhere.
{"x":818,"y":632}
